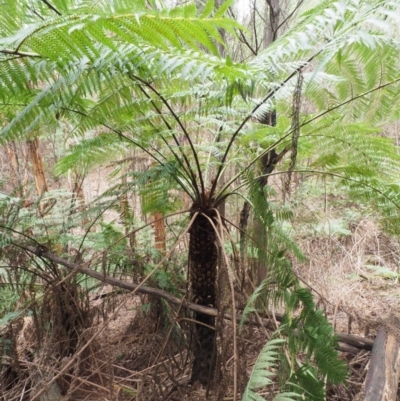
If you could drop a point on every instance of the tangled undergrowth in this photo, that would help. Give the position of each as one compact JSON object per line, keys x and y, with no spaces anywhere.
{"x":130,"y":355}
{"x":109,"y":345}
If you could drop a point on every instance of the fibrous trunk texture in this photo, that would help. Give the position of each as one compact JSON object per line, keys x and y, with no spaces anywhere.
{"x":203,"y":258}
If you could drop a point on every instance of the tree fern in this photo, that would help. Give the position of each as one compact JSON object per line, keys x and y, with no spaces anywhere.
{"x":127,"y":75}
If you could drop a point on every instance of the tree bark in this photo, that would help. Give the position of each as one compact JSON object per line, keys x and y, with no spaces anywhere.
{"x":268,"y":161}
{"x":159,"y":232}
{"x":272,"y":14}
{"x":127,"y":215}
{"x":383,"y":375}
{"x":15,"y":168}
{"x":244,"y":218}
{"x":203,"y":259}
{"x":37,"y":166}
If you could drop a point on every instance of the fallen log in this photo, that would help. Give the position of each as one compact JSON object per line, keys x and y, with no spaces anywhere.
{"x":354,"y":341}
{"x":383,"y":376}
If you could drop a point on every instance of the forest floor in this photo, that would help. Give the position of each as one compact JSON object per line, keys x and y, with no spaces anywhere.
{"x":355,"y":281}
{"x":129,"y":354}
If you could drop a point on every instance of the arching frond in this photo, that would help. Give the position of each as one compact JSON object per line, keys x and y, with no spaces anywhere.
{"x":262,"y":370}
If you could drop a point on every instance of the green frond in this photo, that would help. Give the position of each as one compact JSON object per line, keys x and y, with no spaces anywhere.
{"x":309,"y":333}
{"x":314,"y":335}
{"x":223,"y":8}
{"x":263,"y":370}
{"x":305,"y":382}
{"x":84,"y":46}
{"x":155,"y":188}
{"x":286,"y":396}
{"x":208,"y":9}
{"x":80,"y":35}
{"x":90,"y":152}
{"x":273,"y":289}
{"x":70,"y":95}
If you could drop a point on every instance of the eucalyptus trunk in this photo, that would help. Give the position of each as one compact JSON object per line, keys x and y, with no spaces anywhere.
{"x":203,"y":258}
{"x":37,"y":166}
{"x":15,"y":178}
{"x":159,"y":233}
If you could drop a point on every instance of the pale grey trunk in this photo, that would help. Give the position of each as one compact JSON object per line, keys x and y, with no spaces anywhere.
{"x":272,"y":13}
{"x":258,"y":269}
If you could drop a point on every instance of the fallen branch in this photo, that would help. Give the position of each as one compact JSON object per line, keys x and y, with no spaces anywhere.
{"x":354,"y":341}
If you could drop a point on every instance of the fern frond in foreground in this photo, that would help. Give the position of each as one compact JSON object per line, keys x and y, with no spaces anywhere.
{"x":264,"y":370}
{"x":303,"y":359}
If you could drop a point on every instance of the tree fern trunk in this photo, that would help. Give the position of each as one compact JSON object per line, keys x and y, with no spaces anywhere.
{"x":203,"y":258}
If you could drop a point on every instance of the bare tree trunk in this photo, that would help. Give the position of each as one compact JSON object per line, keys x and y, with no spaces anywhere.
{"x":272,"y":13}
{"x":244,"y":218}
{"x":159,"y":232}
{"x":126,"y":215}
{"x":37,"y":166}
{"x":268,"y":162}
{"x":12,"y":155}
